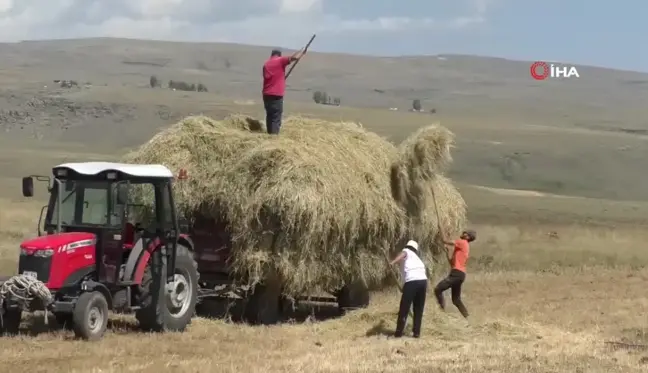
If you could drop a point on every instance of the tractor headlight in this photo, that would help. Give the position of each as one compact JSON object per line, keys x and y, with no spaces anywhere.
{"x":44,"y":253}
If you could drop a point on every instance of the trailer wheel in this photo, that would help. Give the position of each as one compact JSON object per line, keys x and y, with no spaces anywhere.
{"x":90,"y":316}
{"x":353,"y":295}
{"x":263,"y":306}
{"x":168,"y":309}
{"x":10,"y":321}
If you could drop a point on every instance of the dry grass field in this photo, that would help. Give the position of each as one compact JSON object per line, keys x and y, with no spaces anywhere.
{"x":538,"y":303}
{"x":552,"y":174}
{"x":544,"y":297}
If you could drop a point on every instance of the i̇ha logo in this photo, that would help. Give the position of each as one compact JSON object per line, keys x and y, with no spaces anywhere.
{"x":542,"y":70}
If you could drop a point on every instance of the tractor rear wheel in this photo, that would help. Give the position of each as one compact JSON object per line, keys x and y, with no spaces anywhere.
{"x":168,"y":308}
{"x":90,"y":316}
{"x":10,"y":324}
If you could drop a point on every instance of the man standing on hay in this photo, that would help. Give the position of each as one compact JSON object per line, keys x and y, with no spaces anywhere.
{"x":274,"y":87}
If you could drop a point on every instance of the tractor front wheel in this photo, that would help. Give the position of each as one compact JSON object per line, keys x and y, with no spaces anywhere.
{"x":90,"y":316}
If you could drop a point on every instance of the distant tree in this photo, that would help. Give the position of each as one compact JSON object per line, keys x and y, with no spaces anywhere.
{"x":324,"y":99}
{"x":171,"y":84}
{"x":336,"y":101}
{"x":228,"y":64}
{"x":154,"y":81}
{"x":317,"y":97}
{"x":192,"y":87}
{"x":202,"y":88}
{"x":416,"y":105}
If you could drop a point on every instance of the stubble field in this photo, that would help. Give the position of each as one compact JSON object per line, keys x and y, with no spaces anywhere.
{"x":556,"y":284}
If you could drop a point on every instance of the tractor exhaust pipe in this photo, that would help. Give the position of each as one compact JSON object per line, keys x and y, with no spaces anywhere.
{"x":59,"y":198}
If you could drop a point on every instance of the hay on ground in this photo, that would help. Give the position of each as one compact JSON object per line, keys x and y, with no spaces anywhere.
{"x":313,"y":205}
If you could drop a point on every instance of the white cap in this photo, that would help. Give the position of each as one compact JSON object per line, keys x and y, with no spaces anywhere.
{"x":412,"y":243}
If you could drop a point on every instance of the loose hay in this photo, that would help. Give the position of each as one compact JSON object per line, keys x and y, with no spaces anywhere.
{"x":313,"y":205}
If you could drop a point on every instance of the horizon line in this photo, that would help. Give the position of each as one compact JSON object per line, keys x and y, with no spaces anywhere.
{"x":326,"y":52}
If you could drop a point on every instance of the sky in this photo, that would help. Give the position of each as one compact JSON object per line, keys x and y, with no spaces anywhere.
{"x":600,"y":33}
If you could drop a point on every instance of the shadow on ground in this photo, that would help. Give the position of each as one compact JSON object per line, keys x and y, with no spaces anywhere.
{"x":35,"y":324}
{"x":380,"y":329}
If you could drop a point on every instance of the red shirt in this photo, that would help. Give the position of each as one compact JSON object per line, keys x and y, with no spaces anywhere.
{"x":274,"y":76}
{"x":460,"y":255}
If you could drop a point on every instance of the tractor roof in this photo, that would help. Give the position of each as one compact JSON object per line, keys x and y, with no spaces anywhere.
{"x":135,"y":170}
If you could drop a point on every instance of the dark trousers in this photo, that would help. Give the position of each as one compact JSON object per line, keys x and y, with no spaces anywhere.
{"x":413,"y":297}
{"x":454,"y":281}
{"x":274,"y":110}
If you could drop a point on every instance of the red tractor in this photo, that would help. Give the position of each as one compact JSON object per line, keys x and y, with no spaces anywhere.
{"x":93,"y":258}
{"x":98,"y":250}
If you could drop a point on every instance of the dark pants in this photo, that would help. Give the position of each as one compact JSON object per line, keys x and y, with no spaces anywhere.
{"x":454,"y":281}
{"x":274,"y":110}
{"x":413,"y":295}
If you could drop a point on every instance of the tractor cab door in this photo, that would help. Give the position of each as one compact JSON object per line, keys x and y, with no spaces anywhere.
{"x":110,"y":238}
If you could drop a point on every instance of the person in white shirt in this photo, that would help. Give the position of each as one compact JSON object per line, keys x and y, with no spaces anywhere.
{"x":414,"y":291}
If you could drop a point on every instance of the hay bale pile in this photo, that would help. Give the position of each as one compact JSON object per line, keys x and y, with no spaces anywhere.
{"x":316,"y":205}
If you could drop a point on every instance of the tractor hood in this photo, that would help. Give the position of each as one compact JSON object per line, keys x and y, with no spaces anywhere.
{"x":59,"y":241}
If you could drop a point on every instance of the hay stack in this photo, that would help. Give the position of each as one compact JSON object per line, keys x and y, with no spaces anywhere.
{"x":313,"y":205}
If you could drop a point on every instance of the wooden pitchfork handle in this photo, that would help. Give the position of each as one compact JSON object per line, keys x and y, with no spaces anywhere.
{"x":296,"y":62}
{"x":436,"y":211}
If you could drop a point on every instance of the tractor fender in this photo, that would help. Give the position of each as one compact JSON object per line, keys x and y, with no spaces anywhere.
{"x":77,"y":276}
{"x":186,"y":241}
{"x":139,"y":257}
{"x":101,"y":288}
{"x":133,"y":258}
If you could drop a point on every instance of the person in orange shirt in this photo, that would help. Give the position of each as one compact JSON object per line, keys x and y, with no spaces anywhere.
{"x":457,"y":274}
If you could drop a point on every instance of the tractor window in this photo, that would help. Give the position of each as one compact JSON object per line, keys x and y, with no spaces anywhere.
{"x":95,"y":206}
{"x":84,"y":203}
{"x":140,"y":205}
{"x":67,"y":205}
{"x":167,"y":214}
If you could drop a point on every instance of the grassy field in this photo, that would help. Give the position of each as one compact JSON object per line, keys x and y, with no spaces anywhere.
{"x":556,"y":284}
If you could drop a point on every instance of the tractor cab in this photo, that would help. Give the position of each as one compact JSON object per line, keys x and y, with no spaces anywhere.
{"x":95,"y":216}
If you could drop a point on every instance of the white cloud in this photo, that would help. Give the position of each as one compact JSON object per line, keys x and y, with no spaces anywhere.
{"x":269,"y":22}
{"x":300,"y":6}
